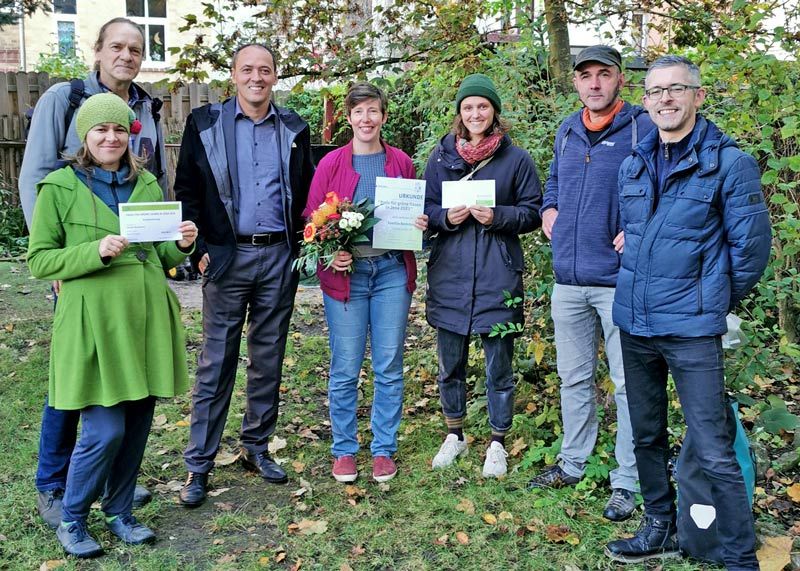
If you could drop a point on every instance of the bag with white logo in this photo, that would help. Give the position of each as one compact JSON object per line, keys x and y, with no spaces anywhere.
{"x":697,"y":522}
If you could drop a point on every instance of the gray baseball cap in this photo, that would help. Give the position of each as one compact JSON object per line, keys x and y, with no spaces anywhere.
{"x":600,"y":54}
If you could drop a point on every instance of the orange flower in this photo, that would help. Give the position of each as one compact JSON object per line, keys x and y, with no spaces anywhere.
{"x":332,"y":199}
{"x":321,"y":214}
{"x":309,"y":232}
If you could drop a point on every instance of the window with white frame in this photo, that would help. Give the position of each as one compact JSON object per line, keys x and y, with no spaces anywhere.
{"x":66,"y":11}
{"x":151,"y":15}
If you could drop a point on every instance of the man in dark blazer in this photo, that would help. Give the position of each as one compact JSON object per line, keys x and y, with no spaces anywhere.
{"x":243,"y":176}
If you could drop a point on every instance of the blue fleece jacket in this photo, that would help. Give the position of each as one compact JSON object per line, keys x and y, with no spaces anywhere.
{"x":583,"y":187}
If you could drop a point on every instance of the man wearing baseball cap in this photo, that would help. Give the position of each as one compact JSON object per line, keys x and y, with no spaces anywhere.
{"x":580,"y":215}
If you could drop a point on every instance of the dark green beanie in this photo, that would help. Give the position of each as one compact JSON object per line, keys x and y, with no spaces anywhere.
{"x":478,"y":85}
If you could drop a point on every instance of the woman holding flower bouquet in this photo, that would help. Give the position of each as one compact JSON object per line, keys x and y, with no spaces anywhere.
{"x":368,"y":291}
{"x":476,"y":261}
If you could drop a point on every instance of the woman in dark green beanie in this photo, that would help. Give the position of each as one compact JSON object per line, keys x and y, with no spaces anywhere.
{"x":476,"y":260}
{"x":118,"y":340}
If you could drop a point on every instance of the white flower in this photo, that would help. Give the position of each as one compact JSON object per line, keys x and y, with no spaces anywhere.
{"x":359,"y":216}
{"x":354,"y":223}
{"x":343,"y":224}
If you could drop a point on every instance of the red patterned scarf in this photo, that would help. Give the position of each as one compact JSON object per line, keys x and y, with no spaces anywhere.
{"x":476,"y":153}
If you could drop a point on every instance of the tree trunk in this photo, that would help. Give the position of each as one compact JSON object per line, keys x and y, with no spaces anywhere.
{"x":555,"y":13}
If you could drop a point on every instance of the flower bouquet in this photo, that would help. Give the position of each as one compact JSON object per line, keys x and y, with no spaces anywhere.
{"x":337,"y":224}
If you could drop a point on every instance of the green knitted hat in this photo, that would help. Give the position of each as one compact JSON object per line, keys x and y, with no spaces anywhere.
{"x":479,"y":85}
{"x":103,"y":108}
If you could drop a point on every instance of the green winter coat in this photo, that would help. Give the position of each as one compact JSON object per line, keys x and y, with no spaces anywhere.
{"x":117,"y":333}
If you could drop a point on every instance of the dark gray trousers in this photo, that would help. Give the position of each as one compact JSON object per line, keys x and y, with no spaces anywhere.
{"x":259,"y":287}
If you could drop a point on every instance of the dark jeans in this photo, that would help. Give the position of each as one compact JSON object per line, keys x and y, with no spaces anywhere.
{"x":56,"y":441}
{"x":259,"y":286}
{"x":107,"y":458}
{"x":697,"y":368}
{"x":453,"y":351}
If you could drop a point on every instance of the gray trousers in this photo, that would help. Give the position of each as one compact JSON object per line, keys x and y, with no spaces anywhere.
{"x":580,"y":314}
{"x":259,"y":286}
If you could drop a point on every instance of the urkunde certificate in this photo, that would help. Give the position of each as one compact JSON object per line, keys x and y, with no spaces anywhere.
{"x":468,"y":193}
{"x":398,"y":202}
{"x":150,"y":221}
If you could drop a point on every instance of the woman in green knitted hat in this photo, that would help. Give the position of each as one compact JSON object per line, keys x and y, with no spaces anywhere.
{"x":117,"y":336}
{"x":476,"y":262}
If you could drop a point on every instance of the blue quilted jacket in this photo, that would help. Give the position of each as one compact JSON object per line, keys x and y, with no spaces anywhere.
{"x":690,"y":260}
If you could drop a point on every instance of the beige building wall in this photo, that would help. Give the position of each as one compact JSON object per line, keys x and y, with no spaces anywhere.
{"x":41,"y":33}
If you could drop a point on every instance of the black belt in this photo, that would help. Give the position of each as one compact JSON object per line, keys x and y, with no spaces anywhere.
{"x":267,"y":239}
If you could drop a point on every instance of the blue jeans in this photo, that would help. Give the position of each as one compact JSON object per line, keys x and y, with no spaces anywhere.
{"x":580,"y":314}
{"x":697,"y":367}
{"x":453,"y":350}
{"x":107,"y":458}
{"x":378,"y":304}
{"x":56,"y":441}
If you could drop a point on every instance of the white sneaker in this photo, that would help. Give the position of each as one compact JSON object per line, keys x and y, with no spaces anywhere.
{"x":495,"y":464}
{"x":451,"y":449}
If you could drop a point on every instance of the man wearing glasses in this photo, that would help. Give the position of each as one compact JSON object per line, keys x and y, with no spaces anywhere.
{"x":697,"y":238}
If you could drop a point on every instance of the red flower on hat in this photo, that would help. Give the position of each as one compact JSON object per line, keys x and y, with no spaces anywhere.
{"x":136,"y":127}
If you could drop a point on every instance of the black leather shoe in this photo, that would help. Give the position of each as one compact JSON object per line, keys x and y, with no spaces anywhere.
{"x":620,"y":505}
{"x":552,"y":477}
{"x":141,"y":496}
{"x":49,"y":505}
{"x":265,"y":466}
{"x":654,"y":538}
{"x":76,"y":541}
{"x":193,"y":492}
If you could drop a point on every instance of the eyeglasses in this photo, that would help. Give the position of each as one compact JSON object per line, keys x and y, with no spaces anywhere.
{"x":675,"y":90}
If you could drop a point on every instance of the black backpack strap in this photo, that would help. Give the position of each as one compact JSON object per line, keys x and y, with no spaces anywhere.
{"x":155,"y":108}
{"x":77,"y":91}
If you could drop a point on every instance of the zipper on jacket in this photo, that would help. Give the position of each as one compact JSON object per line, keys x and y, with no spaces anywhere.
{"x":587,"y":160}
{"x":700,"y":286}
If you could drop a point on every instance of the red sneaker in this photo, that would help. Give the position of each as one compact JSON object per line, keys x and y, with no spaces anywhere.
{"x":383,"y":468}
{"x":344,"y":469}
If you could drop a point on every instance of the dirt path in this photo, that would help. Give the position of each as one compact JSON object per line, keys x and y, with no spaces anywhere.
{"x":190,"y":294}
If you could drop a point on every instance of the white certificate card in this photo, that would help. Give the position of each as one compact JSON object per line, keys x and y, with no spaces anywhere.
{"x":468,"y":193}
{"x":398,"y":202}
{"x":150,"y":221}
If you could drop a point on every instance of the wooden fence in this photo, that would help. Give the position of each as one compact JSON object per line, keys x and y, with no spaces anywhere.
{"x":20,"y":91}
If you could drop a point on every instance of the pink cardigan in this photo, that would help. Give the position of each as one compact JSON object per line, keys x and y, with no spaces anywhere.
{"x":335,"y":173}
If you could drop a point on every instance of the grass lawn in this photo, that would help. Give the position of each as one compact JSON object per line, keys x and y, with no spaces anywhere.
{"x":450,"y":519}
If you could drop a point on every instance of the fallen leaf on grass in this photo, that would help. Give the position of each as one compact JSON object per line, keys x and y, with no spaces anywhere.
{"x":358,"y":550}
{"x":160,"y":421}
{"x":441,"y":540}
{"x":170,"y":487}
{"x":384,"y":487}
{"x":218,"y":491}
{"x":466,"y":506}
{"x":297,"y":565}
{"x":183,"y":423}
{"x":280,"y":556}
{"x":224,"y":506}
{"x":52,"y":564}
{"x":561,"y":534}
{"x":462,"y":538}
{"x":775,"y":553}
{"x":505,"y":515}
{"x":489,"y":518}
{"x":298,"y":466}
{"x":517,"y":447}
{"x":794,"y":492}
{"x":309,"y":527}
{"x":218,"y":541}
{"x":227,"y":558}
{"x":277,"y":443}
{"x":345,"y":567}
{"x":355,"y":491}
{"x":263,"y":561}
{"x":226,"y":458}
